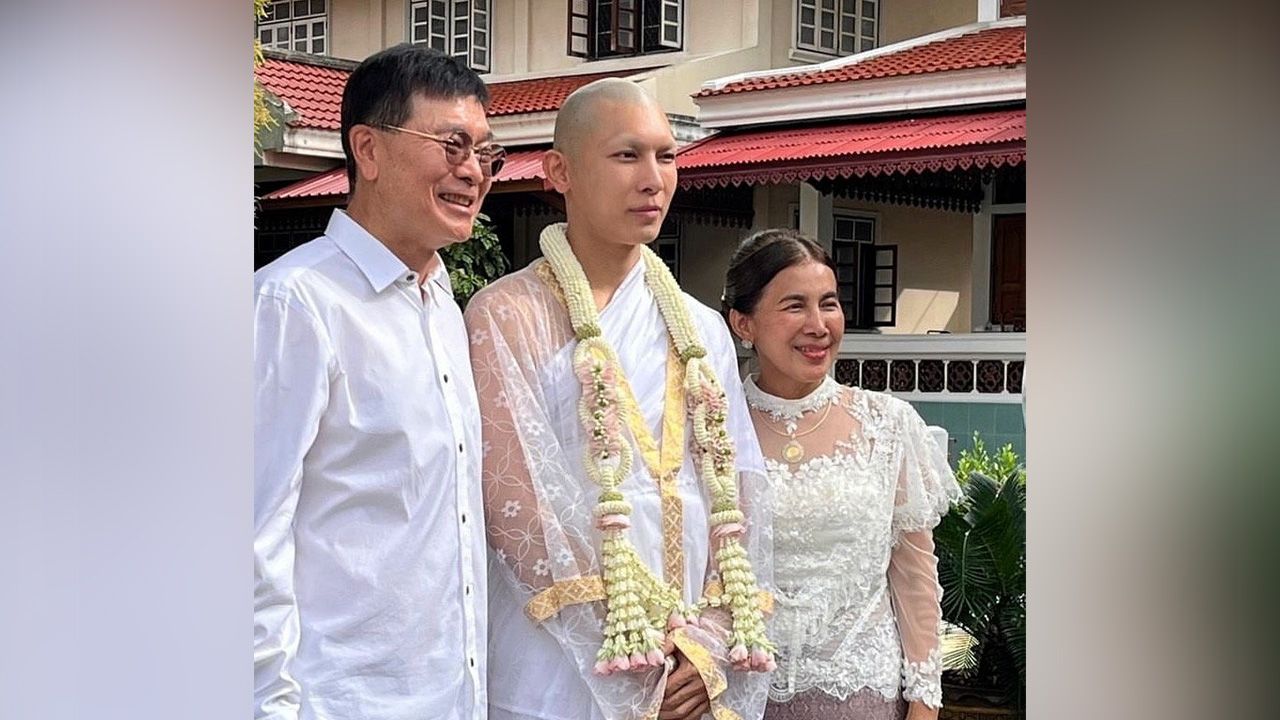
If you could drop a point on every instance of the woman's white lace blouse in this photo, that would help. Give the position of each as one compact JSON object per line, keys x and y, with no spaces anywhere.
{"x":857,"y":591}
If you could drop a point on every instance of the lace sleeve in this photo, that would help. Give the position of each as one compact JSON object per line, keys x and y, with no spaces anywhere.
{"x":520,"y":529}
{"x":538,"y":514}
{"x":926,"y":484}
{"x":913,"y":585}
{"x":926,"y":490}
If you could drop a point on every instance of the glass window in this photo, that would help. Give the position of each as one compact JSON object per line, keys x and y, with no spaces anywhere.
{"x":866,"y":272}
{"x":459,"y":27}
{"x":299,"y":25}
{"x":837,"y":28}
{"x":619,"y":28}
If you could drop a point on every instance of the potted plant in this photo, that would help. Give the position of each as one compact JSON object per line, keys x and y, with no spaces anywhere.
{"x":982,"y":561}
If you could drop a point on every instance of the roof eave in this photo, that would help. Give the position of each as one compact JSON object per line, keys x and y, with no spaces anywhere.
{"x":854,"y":98}
{"x":847,"y":61}
{"x":519,"y":129}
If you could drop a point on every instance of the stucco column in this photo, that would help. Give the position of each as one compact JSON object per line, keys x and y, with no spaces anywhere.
{"x":816,"y":218}
{"x":979,"y":301}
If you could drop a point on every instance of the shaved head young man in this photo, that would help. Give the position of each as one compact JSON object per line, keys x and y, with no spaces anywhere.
{"x":554,"y":648}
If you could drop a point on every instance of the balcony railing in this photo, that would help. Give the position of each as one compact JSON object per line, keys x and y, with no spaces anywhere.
{"x":978,"y":367}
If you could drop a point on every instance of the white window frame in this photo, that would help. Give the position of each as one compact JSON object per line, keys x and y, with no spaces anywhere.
{"x":672,"y":17}
{"x":288,"y":27}
{"x":875,"y":242}
{"x":467,"y":32}
{"x":844,"y":20}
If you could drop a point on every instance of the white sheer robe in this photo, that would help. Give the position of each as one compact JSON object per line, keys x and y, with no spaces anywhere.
{"x":858,"y":596}
{"x":543,"y":542}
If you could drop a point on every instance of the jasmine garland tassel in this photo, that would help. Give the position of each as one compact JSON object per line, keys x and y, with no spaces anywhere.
{"x":638,"y":605}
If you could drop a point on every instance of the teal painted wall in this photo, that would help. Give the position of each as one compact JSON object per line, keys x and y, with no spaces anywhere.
{"x":998,"y":424}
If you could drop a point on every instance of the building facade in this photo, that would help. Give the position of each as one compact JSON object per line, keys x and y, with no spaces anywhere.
{"x":893,"y":131}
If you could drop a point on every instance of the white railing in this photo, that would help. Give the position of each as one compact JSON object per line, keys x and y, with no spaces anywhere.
{"x":972,"y":367}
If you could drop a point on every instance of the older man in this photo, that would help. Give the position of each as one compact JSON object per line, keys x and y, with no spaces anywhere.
{"x":369,"y":552}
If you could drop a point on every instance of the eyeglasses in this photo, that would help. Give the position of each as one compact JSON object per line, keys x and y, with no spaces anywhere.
{"x":457,"y":148}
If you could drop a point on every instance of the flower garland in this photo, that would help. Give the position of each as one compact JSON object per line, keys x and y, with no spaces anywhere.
{"x":639,"y":607}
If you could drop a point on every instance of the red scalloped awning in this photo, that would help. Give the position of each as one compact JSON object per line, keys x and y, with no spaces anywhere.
{"x":912,"y":145}
{"x":521,"y":165}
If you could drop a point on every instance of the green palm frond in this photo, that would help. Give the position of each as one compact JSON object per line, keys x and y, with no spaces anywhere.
{"x":959,"y":648}
{"x":966,"y":572}
{"x":981,"y":548}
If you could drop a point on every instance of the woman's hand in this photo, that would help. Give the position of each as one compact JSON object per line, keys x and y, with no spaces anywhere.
{"x":920,"y":711}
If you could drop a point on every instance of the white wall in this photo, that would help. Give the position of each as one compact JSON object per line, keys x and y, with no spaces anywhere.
{"x":903,"y":19}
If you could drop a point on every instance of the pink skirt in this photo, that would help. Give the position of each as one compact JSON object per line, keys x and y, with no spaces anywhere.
{"x":866,"y":704}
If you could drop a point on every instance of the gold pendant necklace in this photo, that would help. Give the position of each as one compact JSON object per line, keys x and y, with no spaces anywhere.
{"x":793,"y":451}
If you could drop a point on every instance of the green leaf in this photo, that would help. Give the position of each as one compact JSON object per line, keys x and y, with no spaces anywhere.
{"x":476,"y":262}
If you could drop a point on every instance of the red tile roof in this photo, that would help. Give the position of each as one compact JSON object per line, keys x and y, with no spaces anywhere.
{"x":789,"y":155}
{"x":520,"y":165}
{"x":314,"y":91}
{"x":542,"y":94}
{"x":999,"y":46}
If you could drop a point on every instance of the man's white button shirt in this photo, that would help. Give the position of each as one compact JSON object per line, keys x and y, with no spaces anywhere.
{"x":369,"y":547}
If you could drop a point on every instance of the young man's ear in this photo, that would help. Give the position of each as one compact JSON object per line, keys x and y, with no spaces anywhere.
{"x":556,"y":169}
{"x":364,"y":150}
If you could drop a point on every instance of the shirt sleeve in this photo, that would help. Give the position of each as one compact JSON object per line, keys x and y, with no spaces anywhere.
{"x":291,"y":379}
{"x":925,"y":491}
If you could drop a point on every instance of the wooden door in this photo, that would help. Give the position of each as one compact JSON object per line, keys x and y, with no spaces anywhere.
{"x":1009,"y":271}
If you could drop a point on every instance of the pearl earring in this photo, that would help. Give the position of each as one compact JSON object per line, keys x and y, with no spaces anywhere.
{"x":747,"y":344}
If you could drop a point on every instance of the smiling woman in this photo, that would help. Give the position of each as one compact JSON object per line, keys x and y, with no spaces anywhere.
{"x":858,"y":485}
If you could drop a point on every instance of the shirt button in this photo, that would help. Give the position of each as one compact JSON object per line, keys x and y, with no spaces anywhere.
{"x":472,"y":661}
{"x":466,"y":590}
{"x":446,"y":377}
{"x":410,"y":277}
{"x":459,"y":447}
{"x":464,"y":518}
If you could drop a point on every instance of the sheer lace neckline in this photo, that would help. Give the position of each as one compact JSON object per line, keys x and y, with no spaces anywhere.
{"x":784,"y":409}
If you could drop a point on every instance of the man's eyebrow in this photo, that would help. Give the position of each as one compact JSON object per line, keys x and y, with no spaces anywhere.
{"x":635,"y":141}
{"x":487,"y":137}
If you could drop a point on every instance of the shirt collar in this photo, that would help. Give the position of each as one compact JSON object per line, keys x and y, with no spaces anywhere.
{"x":440,"y":276}
{"x":380,"y":266}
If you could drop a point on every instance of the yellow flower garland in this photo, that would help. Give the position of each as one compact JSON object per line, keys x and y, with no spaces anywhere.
{"x":639,"y":606}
